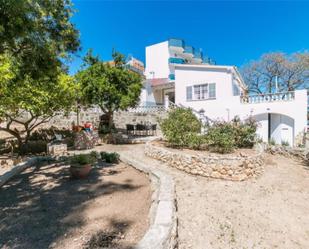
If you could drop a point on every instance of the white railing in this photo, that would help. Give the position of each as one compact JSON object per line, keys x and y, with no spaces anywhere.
{"x":269,"y":97}
{"x":145,"y":109}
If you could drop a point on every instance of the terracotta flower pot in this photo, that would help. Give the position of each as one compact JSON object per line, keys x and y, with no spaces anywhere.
{"x":80,"y":171}
{"x":77,"y":128}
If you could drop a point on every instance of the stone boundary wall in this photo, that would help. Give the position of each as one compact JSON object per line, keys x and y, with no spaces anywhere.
{"x":227,"y":167}
{"x":65,"y":121}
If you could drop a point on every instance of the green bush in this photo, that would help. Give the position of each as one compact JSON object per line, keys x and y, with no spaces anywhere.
{"x":244,"y":132}
{"x":285,"y":143}
{"x":220,"y":137}
{"x":110,"y":157}
{"x":83,"y":159}
{"x":49,"y":134}
{"x":181,"y":128}
{"x":195,"y":141}
{"x":33,"y":147}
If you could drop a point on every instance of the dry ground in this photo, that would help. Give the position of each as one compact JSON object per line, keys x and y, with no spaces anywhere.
{"x":44,"y":208}
{"x":269,"y":212}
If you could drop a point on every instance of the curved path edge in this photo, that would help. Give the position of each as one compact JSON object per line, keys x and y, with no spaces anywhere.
{"x":18,"y":168}
{"x":162,"y":233}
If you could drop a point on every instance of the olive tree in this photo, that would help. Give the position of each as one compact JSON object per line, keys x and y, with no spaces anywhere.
{"x":277,"y":72}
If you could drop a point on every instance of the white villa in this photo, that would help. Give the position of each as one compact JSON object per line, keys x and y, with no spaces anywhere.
{"x":179,"y":74}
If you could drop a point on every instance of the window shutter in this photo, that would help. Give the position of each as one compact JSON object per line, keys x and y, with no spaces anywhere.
{"x":212,"y":90}
{"x":189,"y":92}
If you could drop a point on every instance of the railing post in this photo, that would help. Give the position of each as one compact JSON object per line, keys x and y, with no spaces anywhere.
{"x":166,"y":102}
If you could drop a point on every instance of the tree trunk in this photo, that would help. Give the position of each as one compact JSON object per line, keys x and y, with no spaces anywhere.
{"x":110,"y":120}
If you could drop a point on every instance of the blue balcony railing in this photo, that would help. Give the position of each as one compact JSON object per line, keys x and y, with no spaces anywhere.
{"x":171,"y":76}
{"x":189,"y":50}
{"x":206,"y":59}
{"x":176,"y":43}
{"x":198,"y":54}
{"x":212,"y":62}
{"x":176,"y":60}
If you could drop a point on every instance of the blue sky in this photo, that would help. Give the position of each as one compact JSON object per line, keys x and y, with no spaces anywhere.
{"x":231,"y":32}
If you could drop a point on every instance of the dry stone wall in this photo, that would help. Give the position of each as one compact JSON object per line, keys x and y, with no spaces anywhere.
{"x":66,"y":121}
{"x":228,"y":167}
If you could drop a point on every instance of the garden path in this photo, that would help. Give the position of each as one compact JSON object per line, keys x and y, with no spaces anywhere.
{"x":268,"y":212}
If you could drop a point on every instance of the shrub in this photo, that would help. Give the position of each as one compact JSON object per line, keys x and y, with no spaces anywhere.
{"x":110,"y":157}
{"x":195,"y":141}
{"x":244,"y":132}
{"x":33,"y":147}
{"x":220,"y":137}
{"x":180,"y":127}
{"x":285,"y":143}
{"x":83,"y":159}
{"x":49,"y":134}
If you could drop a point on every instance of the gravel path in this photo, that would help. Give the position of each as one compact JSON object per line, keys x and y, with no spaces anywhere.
{"x":268,"y":212}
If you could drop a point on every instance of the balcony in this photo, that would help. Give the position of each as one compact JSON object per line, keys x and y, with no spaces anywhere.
{"x":174,"y":60}
{"x":189,"y":50}
{"x":266,"y":98}
{"x":134,"y":69}
{"x":176,"y":45}
{"x":198,"y":54}
{"x":171,"y":76}
{"x":206,"y":60}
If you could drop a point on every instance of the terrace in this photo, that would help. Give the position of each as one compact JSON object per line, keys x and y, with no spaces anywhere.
{"x":266,"y":98}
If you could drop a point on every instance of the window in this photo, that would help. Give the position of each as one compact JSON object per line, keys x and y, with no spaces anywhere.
{"x":197,"y":92}
{"x":212,"y":91}
{"x":201,"y":92}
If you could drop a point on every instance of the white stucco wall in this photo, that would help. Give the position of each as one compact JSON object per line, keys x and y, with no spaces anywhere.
{"x":226,"y":106}
{"x":157,"y":61}
{"x":149,"y":96}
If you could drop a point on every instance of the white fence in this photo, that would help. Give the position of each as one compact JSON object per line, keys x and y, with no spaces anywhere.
{"x":270,"y":97}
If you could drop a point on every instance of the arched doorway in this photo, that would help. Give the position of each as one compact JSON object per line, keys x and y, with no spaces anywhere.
{"x":276,"y":127}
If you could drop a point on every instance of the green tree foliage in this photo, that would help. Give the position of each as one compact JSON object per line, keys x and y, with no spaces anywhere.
{"x":6,"y":72}
{"x":38,"y":34}
{"x":287,"y":72}
{"x":110,"y":87}
{"x":26,"y":104}
{"x":181,"y":128}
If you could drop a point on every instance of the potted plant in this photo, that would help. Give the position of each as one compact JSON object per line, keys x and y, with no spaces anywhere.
{"x":80,"y":165}
{"x":110,"y":157}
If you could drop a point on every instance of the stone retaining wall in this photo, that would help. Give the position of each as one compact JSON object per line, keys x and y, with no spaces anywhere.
{"x":292,"y":152}
{"x":228,"y":167}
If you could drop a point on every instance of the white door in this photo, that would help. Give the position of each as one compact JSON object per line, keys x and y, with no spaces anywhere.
{"x":287,"y":130}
